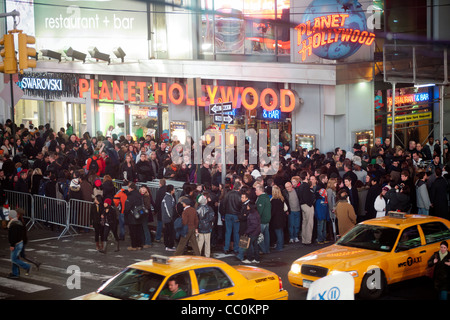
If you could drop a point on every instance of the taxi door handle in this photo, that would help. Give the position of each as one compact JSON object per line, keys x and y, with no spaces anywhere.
{"x":423,"y":251}
{"x":230,"y":294}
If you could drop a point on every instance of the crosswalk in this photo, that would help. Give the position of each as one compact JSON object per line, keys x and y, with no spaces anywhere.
{"x":59,"y":259}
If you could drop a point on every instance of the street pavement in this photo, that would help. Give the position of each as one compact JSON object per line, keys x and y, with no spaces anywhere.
{"x":60,"y":259}
{"x":63,"y":259}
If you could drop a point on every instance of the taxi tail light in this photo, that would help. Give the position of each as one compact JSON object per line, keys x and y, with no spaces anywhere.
{"x":280,"y":283}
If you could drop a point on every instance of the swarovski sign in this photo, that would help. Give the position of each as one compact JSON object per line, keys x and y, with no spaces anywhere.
{"x":41,"y":84}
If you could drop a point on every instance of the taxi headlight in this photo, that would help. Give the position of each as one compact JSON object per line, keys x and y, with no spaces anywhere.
{"x":295,"y":268}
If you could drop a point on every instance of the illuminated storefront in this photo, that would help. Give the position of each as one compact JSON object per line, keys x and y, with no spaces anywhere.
{"x":246,"y":52}
{"x":413,"y":116}
{"x":51,"y":98}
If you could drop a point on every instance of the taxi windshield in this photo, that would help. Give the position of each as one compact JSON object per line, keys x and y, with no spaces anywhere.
{"x":370,"y":237}
{"x":132,"y":284}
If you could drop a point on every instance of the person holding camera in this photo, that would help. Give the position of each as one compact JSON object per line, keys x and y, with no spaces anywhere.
{"x":398,"y":198}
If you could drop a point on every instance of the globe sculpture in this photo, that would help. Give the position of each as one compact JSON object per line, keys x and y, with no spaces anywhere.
{"x":355,"y":20}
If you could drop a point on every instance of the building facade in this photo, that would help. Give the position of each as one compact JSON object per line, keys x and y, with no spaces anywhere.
{"x":303,"y":67}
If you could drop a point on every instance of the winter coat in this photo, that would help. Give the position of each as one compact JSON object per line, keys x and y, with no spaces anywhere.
{"x":233,"y":203}
{"x":108,"y":190}
{"x":278,"y":214}
{"x":441,"y":271}
{"x":397,"y":201}
{"x":253,"y":224}
{"x":321,"y":209}
{"x":438,"y":197}
{"x":264,"y":208}
{"x":372,"y":194}
{"x":423,"y":198}
{"x":96,"y":212}
{"x":168,"y":208}
{"x":243,"y":218}
{"x":205,"y":218}
{"x":134,"y":199}
{"x":346,"y":216}
{"x":144,"y":171}
{"x":380,"y":206}
{"x":148,"y":203}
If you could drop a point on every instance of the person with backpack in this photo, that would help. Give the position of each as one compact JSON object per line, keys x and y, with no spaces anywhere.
{"x":95,"y":164}
{"x":119,"y":202}
{"x":205,"y":225}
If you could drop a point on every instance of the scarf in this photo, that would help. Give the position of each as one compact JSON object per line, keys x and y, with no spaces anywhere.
{"x":323,"y":193}
{"x":442,"y":255}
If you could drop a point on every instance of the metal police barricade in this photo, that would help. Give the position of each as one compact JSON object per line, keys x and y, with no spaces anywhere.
{"x":80,"y":213}
{"x":24,"y":201}
{"x":52,"y":211}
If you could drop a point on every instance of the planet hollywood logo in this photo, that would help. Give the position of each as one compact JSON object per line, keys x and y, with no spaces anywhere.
{"x":333,"y":29}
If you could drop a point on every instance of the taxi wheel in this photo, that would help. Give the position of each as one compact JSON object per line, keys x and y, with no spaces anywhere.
{"x":373,"y":284}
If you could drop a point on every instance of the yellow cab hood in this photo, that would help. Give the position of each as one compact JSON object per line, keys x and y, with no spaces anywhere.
{"x":341,"y":258}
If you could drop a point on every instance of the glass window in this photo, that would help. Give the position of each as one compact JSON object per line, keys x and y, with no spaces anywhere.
{"x":211,"y":279}
{"x":410,"y":239}
{"x":177,"y":287}
{"x":132,"y":284}
{"x":243,"y":26}
{"x":435,"y":232}
{"x":370,"y":237}
{"x":112,"y":119}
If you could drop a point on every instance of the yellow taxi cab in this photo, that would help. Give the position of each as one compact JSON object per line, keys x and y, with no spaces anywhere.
{"x":376,"y":252}
{"x":191,"y":278}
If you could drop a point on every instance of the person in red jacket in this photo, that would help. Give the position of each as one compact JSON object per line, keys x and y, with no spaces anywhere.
{"x":96,"y":164}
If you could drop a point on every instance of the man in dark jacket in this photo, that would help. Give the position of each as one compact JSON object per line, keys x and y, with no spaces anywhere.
{"x":31,"y":150}
{"x":438,"y":196}
{"x":134,"y":199}
{"x":168,"y":217}
{"x":16,"y":238}
{"x":144,"y":169}
{"x":233,"y":205}
{"x":306,"y":199}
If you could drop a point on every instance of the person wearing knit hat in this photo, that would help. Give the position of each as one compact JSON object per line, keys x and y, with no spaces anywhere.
{"x":16,"y":237}
{"x":205,"y":225}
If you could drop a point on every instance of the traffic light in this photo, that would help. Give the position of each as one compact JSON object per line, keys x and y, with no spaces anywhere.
{"x":8,"y":53}
{"x":25,"y":52}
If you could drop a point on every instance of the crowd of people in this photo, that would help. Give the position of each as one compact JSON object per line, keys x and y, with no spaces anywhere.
{"x":313,"y":197}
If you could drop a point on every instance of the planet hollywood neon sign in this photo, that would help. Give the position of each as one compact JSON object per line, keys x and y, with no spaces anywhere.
{"x":332,"y":36}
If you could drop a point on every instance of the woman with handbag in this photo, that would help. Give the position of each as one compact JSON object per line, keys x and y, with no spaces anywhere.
{"x":278,"y":216}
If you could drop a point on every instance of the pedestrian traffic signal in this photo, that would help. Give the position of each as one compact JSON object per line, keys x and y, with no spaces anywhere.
{"x":25,"y":52}
{"x":8,"y":53}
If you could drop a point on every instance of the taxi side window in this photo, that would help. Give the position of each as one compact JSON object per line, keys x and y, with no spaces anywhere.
{"x":409,"y":239}
{"x":177,"y":287}
{"x":435,"y":232}
{"x":211,"y":279}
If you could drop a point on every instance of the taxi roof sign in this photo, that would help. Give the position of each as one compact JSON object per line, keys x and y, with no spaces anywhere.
{"x":397,"y":214}
{"x":160,"y":259}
